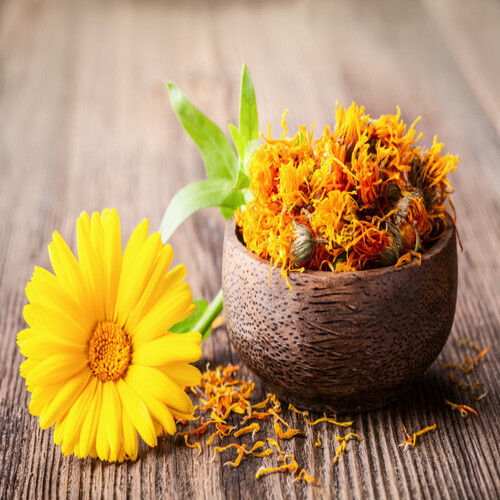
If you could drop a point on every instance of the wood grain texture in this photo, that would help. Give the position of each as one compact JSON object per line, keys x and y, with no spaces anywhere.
{"x":86,"y":124}
{"x":470,"y":30}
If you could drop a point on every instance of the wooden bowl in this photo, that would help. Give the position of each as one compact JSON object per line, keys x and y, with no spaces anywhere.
{"x":340,"y":342}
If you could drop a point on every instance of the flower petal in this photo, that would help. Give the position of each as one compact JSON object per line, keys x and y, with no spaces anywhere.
{"x":66,"y":268}
{"x":76,"y":417}
{"x":59,"y":433}
{"x":159,"y":412}
{"x":130,"y":442}
{"x":91,"y":265}
{"x":89,"y":427}
{"x":41,"y":397}
{"x":45,"y":289}
{"x":138,"y":413}
{"x":137,"y":277}
{"x":54,"y":324}
{"x":41,"y":346}
{"x":144,"y":303}
{"x":58,"y":367}
{"x":112,"y":258}
{"x":144,"y":379}
{"x":97,"y":232}
{"x":183,"y":374}
{"x":135,"y":242}
{"x":172,"y":347}
{"x":64,"y":399}
{"x":168,"y":282}
{"x":168,"y":311}
{"x":109,"y":431}
{"x":26,"y":366}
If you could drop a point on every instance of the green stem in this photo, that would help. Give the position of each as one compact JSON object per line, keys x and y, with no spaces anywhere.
{"x":213,"y":310}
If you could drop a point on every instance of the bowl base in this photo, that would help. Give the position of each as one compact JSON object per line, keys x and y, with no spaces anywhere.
{"x":342,"y":407}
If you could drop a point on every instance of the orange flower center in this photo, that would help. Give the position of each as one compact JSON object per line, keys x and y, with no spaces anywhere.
{"x":109,"y":351}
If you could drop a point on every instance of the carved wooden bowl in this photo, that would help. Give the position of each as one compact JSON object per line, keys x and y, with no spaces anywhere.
{"x":340,"y":342}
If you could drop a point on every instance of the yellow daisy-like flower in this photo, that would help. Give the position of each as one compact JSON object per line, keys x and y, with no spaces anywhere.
{"x":102,"y":364}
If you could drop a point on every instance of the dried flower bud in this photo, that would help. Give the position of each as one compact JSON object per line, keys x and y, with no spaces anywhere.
{"x":397,"y":241}
{"x":303,"y":244}
{"x":390,"y":255}
{"x":402,"y":207}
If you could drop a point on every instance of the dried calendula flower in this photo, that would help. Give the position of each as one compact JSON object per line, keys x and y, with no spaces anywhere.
{"x":475,"y":388}
{"x":318,"y":442}
{"x":300,"y":412}
{"x":412,"y":440}
{"x":196,"y":444}
{"x":252,"y":428}
{"x":390,"y":255}
{"x":286,"y":434}
{"x":343,"y":440}
{"x":305,"y":477}
{"x":463,"y":409}
{"x":220,"y":395}
{"x":341,"y":188}
{"x":304,"y":244}
{"x":467,"y":363}
{"x":329,"y":420}
{"x":470,"y":343}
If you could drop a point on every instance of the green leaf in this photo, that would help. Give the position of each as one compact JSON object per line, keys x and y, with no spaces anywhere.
{"x":186,"y":325}
{"x":249,"y":120}
{"x":194,"y":197}
{"x":238,"y":140}
{"x":242,"y":180}
{"x":251,"y":149}
{"x":227,"y":213}
{"x":235,"y":199}
{"x":218,"y":155}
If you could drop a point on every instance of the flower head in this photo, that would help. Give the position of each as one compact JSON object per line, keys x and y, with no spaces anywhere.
{"x":101,"y":363}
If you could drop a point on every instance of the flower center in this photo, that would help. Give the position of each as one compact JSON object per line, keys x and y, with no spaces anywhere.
{"x":109,"y":351}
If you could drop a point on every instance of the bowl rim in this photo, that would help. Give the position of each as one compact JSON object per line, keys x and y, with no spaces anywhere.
{"x":443,"y":242}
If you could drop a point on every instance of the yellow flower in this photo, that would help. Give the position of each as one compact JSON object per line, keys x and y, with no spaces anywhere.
{"x":102,"y":364}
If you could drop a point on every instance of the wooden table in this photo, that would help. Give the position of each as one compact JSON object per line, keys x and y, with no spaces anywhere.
{"x":85,"y":124}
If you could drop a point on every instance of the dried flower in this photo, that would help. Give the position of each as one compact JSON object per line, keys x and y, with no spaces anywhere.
{"x":222,"y":395}
{"x":345,"y":188}
{"x":463,"y":409}
{"x":303,"y":244}
{"x":412,"y":440}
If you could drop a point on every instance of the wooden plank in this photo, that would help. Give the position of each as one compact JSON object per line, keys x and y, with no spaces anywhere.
{"x":89,"y":126}
{"x":470,"y":30}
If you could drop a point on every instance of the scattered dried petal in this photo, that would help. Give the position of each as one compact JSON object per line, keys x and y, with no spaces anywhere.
{"x":463,"y":409}
{"x":318,"y":442}
{"x":304,"y":476}
{"x":474,"y":390}
{"x":300,"y":412}
{"x":252,"y":428}
{"x":288,"y":434}
{"x":329,"y":420}
{"x":469,"y":342}
{"x":192,"y":445}
{"x":412,"y":440}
